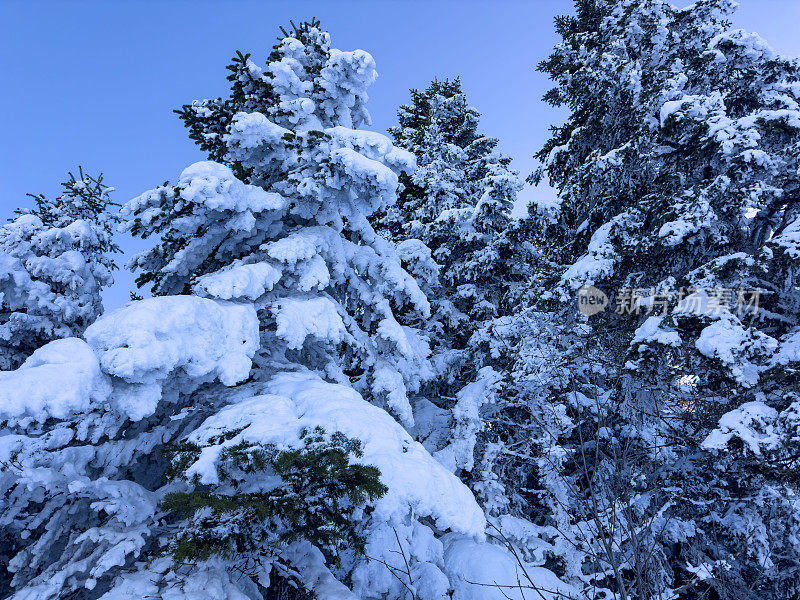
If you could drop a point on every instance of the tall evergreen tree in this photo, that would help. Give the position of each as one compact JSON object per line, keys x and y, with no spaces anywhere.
{"x":297,"y":235}
{"x":57,"y":258}
{"x":662,"y":429}
{"x":458,"y":204}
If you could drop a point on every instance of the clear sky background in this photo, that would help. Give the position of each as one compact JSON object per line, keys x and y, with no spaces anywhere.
{"x":94,"y":82}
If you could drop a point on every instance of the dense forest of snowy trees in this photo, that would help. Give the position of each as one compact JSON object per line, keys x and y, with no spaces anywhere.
{"x":356,"y":376}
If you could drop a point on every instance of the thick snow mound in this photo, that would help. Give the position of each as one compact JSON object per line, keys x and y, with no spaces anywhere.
{"x":363,"y":173}
{"x":145,"y":341}
{"x":297,"y":401}
{"x":209,"y":582}
{"x":251,"y":130}
{"x":732,"y":344}
{"x":239,"y":280}
{"x":215,"y":186}
{"x":482,"y":571}
{"x":651,"y":331}
{"x":753,"y":423}
{"x":60,"y":379}
{"x":375,"y":146}
{"x":298,"y":319}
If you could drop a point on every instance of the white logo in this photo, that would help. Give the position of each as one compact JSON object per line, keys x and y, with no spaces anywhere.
{"x":591,"y":300}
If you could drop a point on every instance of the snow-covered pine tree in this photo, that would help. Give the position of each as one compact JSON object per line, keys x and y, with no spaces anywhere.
{"x":458,"y":205}
{"x":664,"y":430}
{"x":57,"y":258}
{"x":304,"y":249}
{"x":458,"y":201}
{"x":208,"y":442}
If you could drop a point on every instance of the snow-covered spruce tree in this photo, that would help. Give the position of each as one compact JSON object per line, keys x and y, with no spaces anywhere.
{"x":451,"y":223}
{"x":208,"y":442}
{"x":56,"y":259}
{"x":304,"y":250}
{"x":666,"y":428}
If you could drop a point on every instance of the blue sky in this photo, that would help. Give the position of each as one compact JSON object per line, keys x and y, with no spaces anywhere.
{"x":94,"y":82}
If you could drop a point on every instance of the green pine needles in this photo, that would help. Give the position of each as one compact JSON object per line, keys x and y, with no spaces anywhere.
{"x":311,"y":493}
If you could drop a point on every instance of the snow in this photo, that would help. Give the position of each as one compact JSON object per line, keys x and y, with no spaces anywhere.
{"x":316,"y":575}
{"x":598,"y":261}
{"x":704,"y":571}
{"x":239,"y":281}
{"x":480,"y":571}
{"x":375,"y":146}
{"x":251,"y":130}
{"x":415,"y":555}
{"x":720,"y":340}
{"x":727,"y":341}
{"x":671,"y":108}
{"x":301,"y":245}
{"x":651,"y":331}
{"x":525,"y":534}
{"x":696,"y":215}
{"x":209,"y":581}
{"x":363,"y":173}
{"x":59,"y":380}
{"x":298,"y":319}
{"x":292,"y":402}
{"x":345,"y":79}
{"x":215,"y":186}
{"x":404,"y":338}
{"x":205,"y":217}
{"x":388,"y":381}
{"x":417,"y":260}
{"x":752,"y":45}
{"x":314,"y":274}
{"x":460,"y":452}
{"x":788,"y":350}
{"x":145,"y":341}
{"x":706,"y":276}
{"x":752,"y":423}
{"x":789,"y":239}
